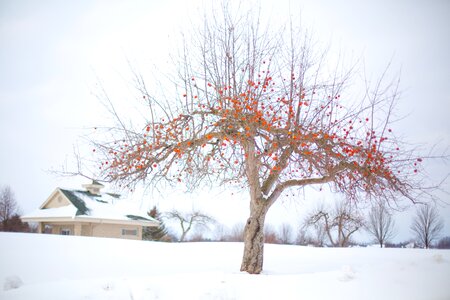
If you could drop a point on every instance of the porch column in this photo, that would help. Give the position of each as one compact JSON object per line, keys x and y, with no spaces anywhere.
{"x":77,"y":229}
{"x":40,"y":227}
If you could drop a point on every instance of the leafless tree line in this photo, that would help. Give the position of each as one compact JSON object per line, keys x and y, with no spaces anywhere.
{"x":334,"y":226}
{"x":323,"y":226}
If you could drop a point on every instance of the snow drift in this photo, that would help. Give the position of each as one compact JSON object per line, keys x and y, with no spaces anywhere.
{"x":36,"y":266}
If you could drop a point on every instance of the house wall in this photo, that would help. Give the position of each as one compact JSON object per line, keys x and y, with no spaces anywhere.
{"x":115,"y":231}
{"x":96,"y":230}
{"x":56,"y":228}
{"x":57,"y":200}
{"x":86,"y":229}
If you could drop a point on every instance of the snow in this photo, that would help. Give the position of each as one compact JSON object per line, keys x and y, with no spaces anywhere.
{"x":105,"y":207}
{"x":58,"y":212}
{"x":66,"y":267}
{"x":114,"y":209}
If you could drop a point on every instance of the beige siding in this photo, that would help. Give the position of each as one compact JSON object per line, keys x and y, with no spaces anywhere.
{"x":56,"y":228}
{"x":96,"y":230}
{"x":57,"y":200}
{"x":115,"y":231}
{"x":86,"y":230}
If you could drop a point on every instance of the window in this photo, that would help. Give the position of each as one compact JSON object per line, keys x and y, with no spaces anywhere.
{"x":65,"y":231}
{"x":129,"y":231}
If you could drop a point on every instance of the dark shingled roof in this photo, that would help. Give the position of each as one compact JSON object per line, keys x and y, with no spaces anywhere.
{"x":138,"y":218}
{"x":95,"y":182}
{"x":77,"y":202}
{"x":114,"y":195}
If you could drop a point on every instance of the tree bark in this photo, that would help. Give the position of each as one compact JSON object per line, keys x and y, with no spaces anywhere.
{"x":252,"y":261}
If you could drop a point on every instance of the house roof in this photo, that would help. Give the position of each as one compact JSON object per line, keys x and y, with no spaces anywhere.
{"x":77,"y":202}
{"x":88,"y":207}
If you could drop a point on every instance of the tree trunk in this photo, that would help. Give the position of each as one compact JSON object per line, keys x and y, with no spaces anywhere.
{"x":183,"y":235}
{"x":252,"y":261}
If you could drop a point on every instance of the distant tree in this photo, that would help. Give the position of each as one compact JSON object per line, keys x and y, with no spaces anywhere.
{"x":14,"y":224}
{"x":236,"y":233}
{"x":198,"y":236}
{"x":302,"y":237}
{"x":338,"y":224}
{"x":319,"y":237}
{"x":10,"y":212}
{"x":155,"y":233}
{"x":312,"y":233}
{"x":271,"y":236}
{"x":427,"y":225}
{"x":285,"y":235}
{"x":224,"y":233}
{"x":444,"y":243}
{"x":188,"y":220}
{"x":380,"y":223}
{"x":8,"y":204}
{"x":220,"y":232}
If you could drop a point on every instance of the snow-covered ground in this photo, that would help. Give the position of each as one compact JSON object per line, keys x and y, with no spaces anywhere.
{"x":36,"y":266}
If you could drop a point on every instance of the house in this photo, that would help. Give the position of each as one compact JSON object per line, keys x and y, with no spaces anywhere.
{"x":89,"y":212}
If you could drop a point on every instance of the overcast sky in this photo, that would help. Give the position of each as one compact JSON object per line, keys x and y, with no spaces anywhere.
{"x":53,"y":52}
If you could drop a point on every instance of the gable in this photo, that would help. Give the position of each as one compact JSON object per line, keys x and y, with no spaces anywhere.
{"x":55,"y":200}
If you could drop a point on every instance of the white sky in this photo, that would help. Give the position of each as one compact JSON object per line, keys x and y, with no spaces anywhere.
{"x":52,"y":51}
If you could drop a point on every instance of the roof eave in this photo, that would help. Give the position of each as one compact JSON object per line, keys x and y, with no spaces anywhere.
{"x":87,"y":219}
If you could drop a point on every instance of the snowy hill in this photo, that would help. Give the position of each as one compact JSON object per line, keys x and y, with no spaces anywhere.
{"x":36,"y":266}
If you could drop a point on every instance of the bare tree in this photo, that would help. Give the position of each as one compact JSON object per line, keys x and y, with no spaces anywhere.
{"x":257,"y":107}
{"x":303,"y":238}
{"x":427,"y":225}
{"x":312,"y":234}
{"x":338,"y":224}
{"x":271,"y":235}
{"x":198,"y":236}
{"x":220,"y":232}
{"x":8,"y":204}
{"x":236,"y":233}
{"x":285,"y":233}
{"x":380,"y":223}
{"x":188,"y":220}
{"x":10,"y":212}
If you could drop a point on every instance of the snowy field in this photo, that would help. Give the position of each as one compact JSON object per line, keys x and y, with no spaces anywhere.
{"x":36,"y":266}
